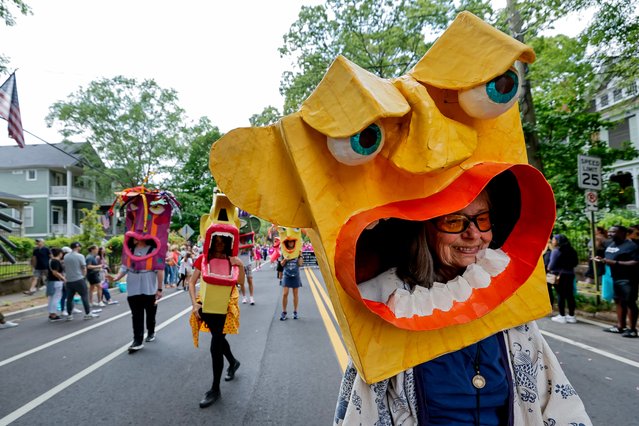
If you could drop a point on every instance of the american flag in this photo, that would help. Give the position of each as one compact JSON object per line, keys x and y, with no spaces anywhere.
{"x":10,"y":109}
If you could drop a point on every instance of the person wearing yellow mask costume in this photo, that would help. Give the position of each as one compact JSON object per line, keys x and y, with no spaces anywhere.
{"x":389,"y":173}
{"x":291,"y":246}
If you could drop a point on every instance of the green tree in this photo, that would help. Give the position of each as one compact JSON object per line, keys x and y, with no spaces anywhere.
{"x":137,"y":128}
{"x":92,"y":230}
{"x":269,"y":115}
{"x":613,"y":36}
{"x":8,"y":17}
{"x":192,"y":184}
{"x":385,"y":37}
{"x":563,"y":79}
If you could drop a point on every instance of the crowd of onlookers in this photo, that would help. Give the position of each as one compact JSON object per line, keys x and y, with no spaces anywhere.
{"x":66,"y":274}
{"x":615,"y":263}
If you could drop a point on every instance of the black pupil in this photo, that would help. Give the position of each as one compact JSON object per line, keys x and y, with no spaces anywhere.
{"x":367,"y":138}
{"x":504,"y":83}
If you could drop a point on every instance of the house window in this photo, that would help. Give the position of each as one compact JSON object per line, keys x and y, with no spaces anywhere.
{"x":616,"y":95}
{"x":619,"y":134}
{"x":28,"y":217}
{"x":604,"y":100}
{"x":32,"y":174}
{"x":632,"y":89}
{"x":15,"y":213}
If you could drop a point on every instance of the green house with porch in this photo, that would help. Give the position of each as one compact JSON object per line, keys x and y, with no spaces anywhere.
{"x":52,"y":177}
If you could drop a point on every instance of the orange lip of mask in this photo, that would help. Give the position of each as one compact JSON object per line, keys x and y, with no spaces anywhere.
{"x":365,"y":157}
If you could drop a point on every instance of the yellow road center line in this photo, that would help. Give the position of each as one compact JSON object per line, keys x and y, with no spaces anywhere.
{"x":322,"y":293}
{"x":338,"y":346}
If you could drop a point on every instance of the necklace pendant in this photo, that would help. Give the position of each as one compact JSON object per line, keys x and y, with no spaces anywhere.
{"x":479,"y":381}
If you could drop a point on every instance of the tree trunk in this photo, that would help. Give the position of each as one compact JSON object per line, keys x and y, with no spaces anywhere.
{"x":526,"y":106}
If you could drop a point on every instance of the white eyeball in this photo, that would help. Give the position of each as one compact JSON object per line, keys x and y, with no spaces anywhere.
{"x":358,"y":149}
{"x":492,"y":99}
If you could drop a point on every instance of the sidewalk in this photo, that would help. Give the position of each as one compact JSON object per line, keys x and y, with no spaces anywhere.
{"x":16,"y":303}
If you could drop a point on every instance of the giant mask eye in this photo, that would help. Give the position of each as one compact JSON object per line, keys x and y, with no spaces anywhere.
{"x":157,"y":209}
{"x":492,"y":99}
{"x":360,"y":148}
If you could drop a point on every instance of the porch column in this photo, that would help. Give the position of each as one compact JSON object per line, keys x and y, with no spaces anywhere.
{"x":69,"y":203}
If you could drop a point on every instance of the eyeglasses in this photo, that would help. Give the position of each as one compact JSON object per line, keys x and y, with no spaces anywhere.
{"x":458,"y":223}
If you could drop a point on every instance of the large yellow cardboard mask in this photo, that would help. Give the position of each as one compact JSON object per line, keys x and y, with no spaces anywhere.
{"x":290,"y":242}
{"x":217,"y":279}
{"x":365,"y":152}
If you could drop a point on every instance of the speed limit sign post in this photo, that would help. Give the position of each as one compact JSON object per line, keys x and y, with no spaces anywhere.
{"x":589,"y":172}
{"x":589,"y":178}
{"x":592,"y":199}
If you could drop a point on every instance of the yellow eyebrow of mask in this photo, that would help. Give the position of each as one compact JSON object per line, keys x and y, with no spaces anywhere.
{"x":329,"y":109}
{"x":469,"y":40}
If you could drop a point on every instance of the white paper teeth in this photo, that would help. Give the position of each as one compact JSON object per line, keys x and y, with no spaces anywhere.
{"x":460,"y":289}
{"x":493,"y":261}
{"x":422,"y":301}
{"x":442,"y":297}
{"x":477,"y":276}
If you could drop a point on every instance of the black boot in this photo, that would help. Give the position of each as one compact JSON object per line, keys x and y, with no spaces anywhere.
{"x":209,"y":398}
{"x":230,"y":372}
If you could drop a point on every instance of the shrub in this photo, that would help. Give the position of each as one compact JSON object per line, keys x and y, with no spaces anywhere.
{"x":24,"y":247}
{"x":59,"y":242}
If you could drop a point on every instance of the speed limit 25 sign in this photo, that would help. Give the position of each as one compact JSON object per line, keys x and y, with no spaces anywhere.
{"x":589,"y":172}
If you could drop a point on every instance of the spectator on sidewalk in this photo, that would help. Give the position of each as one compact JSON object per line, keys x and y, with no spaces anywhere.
{"x":55,"y":283}
{"x":40,"y":265}
{"x":601,"y":241}
{"x":563,"y":260}
{"x":94,"y":272}
{"x":622,"y":256}
{"x":6,"y":324}
{"x":63,"y":300}
{"x":75,"y":270}
{"x":106,"y":294}
{"x":546,"y":258}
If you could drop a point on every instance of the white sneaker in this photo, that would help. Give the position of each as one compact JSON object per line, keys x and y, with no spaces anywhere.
{"x":571,"y":319}
{"x":101,"y":304}
{"x":252,"y":301}
{"x":96,"y":311}
{"x":91,"y":316}
{"x":559,"y":318}
{"x":64,"y":314}
{"x":244,"y":299}
{"x":112,"y":302}
{"x":76,"y":311}
{"x":8,"y":324}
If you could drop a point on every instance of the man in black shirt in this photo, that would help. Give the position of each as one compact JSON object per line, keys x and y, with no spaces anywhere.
{"x":40,"y":265}
{"x":622,"y":257}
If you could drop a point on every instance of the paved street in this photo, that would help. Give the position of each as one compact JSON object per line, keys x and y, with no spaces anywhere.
{"x":80,"y":372}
